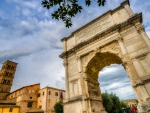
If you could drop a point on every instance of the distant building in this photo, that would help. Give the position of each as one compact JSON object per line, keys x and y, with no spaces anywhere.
{"x":47,"y":97}
{"x":9,"y":109}
{"x":25,"y":97}
{"x":33,"y":99}
{"x":7,"y":74}
{"x":131,"y":102}
{"x":28,"y":99}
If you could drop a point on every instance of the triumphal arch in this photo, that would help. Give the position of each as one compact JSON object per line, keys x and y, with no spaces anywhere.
{"x":116,"y":37}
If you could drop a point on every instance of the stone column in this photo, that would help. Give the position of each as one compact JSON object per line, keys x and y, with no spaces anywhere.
{"x":87,"y":103}
{"x":145,"y":37}
{"x":79,"y":64}
{"x":137,"y":84}
{"x":66,"y":78}
{"x":64,"y":40}
{"x":141,"y":31}
{"x":80,"y":75}
{"x":121,"y":44}
{"x":138,"y":67}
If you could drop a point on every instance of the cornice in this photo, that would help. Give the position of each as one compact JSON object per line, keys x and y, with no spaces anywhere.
{"x":108,"y":12}
{"x":119,"y":27}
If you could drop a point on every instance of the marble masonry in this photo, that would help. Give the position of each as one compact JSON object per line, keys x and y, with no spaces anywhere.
{"x":116,"y":37}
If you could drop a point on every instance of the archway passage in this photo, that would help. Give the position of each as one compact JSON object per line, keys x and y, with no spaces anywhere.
{"x":99,"y":61}
{"x":96,"y":64}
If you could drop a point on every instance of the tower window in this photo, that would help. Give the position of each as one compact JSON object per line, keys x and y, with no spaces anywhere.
{"x":12,"y":67}
{"x":8,"y":82}
{"x":4,"y":81}
{"x":6,"y":73}
{"x":43,"y":93}
{"x":10,"y":74}
{"x":8,"y":67}
{"x":30,"y":97}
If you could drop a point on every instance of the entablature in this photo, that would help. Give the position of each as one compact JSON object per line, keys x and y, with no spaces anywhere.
{"x":115,"y":28}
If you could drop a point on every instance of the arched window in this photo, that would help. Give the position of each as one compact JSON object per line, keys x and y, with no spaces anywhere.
{"x":8,"y":67}
{"x":6,"y":74}
{"x":4,"y":81}
{"x":12,"y":67}
{"x":10,"y":74}
{"x":8,"y":82}
{"x":43,"y":92}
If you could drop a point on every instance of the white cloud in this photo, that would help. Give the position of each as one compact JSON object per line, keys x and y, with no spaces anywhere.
{"x":29,"y":37}
{"x":26,"y":12}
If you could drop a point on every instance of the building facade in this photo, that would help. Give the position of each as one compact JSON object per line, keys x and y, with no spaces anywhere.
{"x":131,"y":102}
{"x":9,"y":109}
{"x":47,"y":97}
{"x":7,"y":74}
{"x":25,"y":97}
{"x":33,"y":99}
{"x":28,"y":99}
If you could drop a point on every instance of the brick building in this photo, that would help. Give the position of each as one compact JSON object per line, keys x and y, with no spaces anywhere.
{"x":28,"y":99}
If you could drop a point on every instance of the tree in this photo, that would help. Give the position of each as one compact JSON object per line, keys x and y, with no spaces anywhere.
{"x":66,"y":9}
{"x":58,"y":107}
{"x":116,"y":103}
{"x":107,"y":102}
{"x":111,"y":102}
{"x":123,"y":104}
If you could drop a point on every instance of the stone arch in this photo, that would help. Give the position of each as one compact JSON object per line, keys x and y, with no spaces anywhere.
{"x":100,"y":43}
{"x":99,"y":61}
{"x":96,"y":62}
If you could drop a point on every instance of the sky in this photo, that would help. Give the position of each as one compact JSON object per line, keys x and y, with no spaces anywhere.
{"x":31,"y":38}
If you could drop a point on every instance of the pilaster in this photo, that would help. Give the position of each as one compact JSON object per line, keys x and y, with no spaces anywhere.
{"x":66,"y":79}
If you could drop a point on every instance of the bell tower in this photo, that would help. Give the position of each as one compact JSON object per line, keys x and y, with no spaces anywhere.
{"x":7,"y":74}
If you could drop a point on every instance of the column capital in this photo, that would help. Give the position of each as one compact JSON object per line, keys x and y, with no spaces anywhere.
{"x":78,"y":57}
{"x":65,"y":63}
{"x":120,"y":38}
{"x":140,"y":28}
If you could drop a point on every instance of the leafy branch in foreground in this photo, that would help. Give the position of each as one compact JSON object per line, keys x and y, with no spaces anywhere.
{"x":66,"y":9}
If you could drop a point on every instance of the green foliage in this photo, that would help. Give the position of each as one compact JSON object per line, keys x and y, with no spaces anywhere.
{"x":66,"y":9}
{"x":107,"y":102}
{"x":111,"y":102}
{"x":58,"y":107}
{"x":123,"y":104}
{"x":116,"y":103}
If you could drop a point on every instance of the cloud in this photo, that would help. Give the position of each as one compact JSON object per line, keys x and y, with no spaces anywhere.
{"x":31,"y":38}
{"x":114,"y":79}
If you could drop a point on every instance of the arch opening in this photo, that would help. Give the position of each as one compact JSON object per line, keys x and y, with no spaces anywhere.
{"x":114,"y":79}
{"x":94,"y":66}
{"x":99,"y":61}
